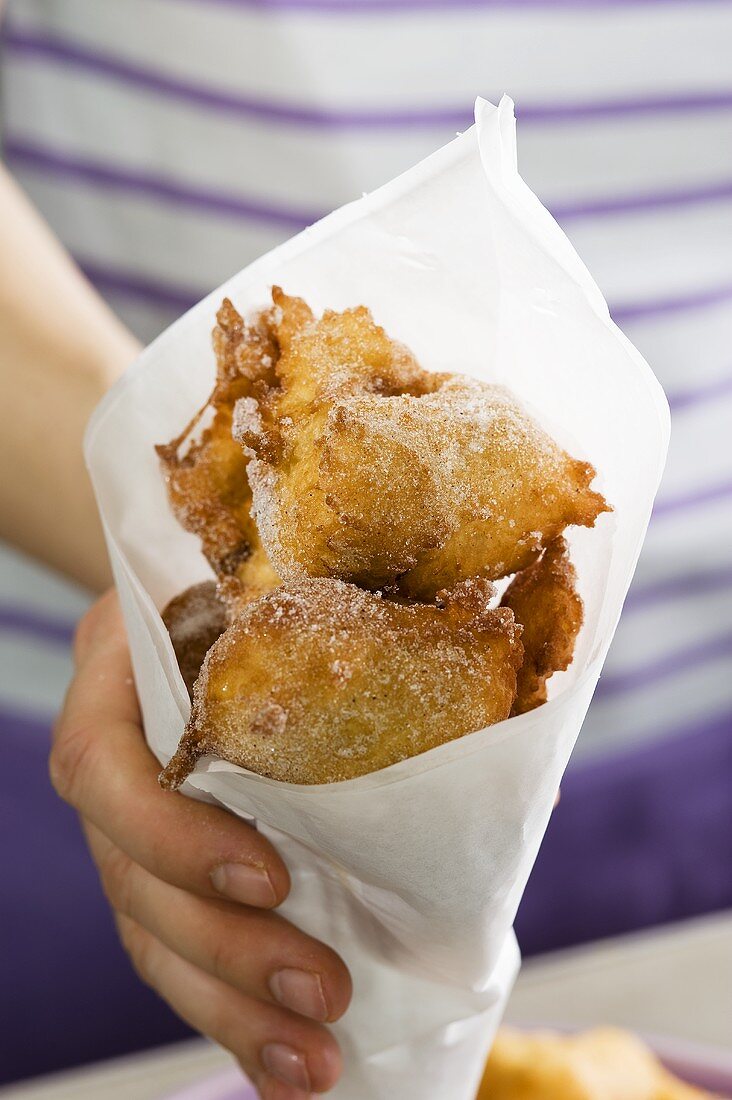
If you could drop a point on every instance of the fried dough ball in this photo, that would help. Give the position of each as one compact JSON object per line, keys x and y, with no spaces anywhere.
{"x":317,"y":508}
{"x":321,"y":681}
{"x":194,"y":620}
{"x":603,"y":1064}
{"x":545,"y":601}
{"x":368,"y":468}
{"x":205,"y":470}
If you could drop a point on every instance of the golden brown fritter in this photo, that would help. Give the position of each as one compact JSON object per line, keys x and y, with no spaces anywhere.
{"x":194,"y":620}
{"x":254,"y":577}
{"x":545,"y":601}
{"x":205,"y":470}
{"x":321,"y":681}
{"x":603,"y":1064}
{"x":367,"y":468}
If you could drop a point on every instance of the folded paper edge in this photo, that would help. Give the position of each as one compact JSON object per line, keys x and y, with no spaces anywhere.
{"x":496,"y":131}
{"x":495,"y":126}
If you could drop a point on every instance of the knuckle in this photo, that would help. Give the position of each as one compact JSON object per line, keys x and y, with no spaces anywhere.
{"x":139,"y":947}
{"x":224,"y":1028}
{"x":88,"y":626}
{"x":116,"y":871}
{"x":70,"y":760}
{"x":221,"y":958}
{"x":232,"y":1033}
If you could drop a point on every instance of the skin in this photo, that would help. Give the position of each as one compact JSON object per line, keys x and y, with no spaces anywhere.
{"x":210,"y":958}
{"x":60,"y":349}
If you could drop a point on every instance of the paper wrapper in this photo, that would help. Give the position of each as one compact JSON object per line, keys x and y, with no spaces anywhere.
{"x":414,"y":873}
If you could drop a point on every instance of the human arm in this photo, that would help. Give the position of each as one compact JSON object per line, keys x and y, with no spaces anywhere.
{"x":61,"y":348}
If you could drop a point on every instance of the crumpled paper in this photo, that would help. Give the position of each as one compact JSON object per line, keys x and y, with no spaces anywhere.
{"x":414,"y":873}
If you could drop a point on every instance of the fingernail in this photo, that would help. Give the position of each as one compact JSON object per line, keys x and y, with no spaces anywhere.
{"x":300,"y":990}
{"x":284,"y":1062}
{"x":245,"y":883}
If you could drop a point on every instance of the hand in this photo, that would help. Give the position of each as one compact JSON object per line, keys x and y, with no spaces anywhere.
{"x":193,"y":889}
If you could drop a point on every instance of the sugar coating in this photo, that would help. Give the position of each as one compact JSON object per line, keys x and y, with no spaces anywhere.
{"x":205,"y":469}
{"x":602,"y":1063}
{"x":545,"y":601}
{"x":320,"y":681}
{"x":367,"y":468}
{"x":386,"y":498}
{"x":194,"y":619}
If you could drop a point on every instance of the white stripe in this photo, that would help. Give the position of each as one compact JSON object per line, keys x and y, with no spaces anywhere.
{"x":701,"y":536}
{"x":23,"y":581}
{"x":700,"y":454}
{"x":687,"y":348}
{"x":606,"y":157}
{"x":145,"y":319}
{"x":163,"y":241}
{"x":289,"y":165}
{"x":451,"y":55}
{"x":641,"y":257}
{"x":630,"y":255}
{"x":634,"y":258}
{"x":665,"y":628}
{"x":35,"y":676}
{"x":76,"y":112}
{"x":689,"y":698}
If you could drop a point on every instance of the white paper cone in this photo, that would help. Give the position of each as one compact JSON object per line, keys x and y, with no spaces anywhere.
{"x":414,"y":873}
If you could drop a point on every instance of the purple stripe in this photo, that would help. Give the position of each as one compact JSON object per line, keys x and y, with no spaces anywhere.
{"x":63,"y":165}
{"x":714,"y":1079}
{"x":687,"y":399}
{"x":631,"y":204}
{"x":671,"y":588}
{"x":618,"y":683}
{"x":680,"y":303}
{"x":51,"y":47}
{"x":181,"y":298}
{"x":23,"y":723}
{"x":169,"y":296}
{"x":59,"y":164}
{"x":129,"y":284}
{"x":21,"y":620}
{"x":689,"y":103}
{"x":695,"y":499}
{"x":364,"y":7}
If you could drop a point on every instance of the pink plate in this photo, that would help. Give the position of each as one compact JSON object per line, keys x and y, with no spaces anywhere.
{"x":705,"y":1067}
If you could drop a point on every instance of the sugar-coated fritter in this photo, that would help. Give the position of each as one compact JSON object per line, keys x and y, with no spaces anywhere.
{"x":545,"y":601}
{"x":321,"y":681}
{"x":368,"y":468}
{"x":603,"y":1064}
{"x":194,"y":620}
{"x":205,"y":469}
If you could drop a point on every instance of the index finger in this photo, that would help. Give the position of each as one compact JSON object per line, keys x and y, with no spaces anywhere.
{"x":101,"y":764}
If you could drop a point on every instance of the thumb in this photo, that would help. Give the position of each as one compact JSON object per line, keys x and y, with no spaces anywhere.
{"x":101,"y":625}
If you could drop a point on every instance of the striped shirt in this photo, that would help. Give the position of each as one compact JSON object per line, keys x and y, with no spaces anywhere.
{"x":170,"y":142}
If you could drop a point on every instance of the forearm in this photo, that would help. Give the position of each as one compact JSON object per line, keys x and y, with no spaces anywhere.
{"x":60,"y":349}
